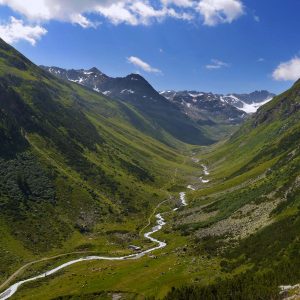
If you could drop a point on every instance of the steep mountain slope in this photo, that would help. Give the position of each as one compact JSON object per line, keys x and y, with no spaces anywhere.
{"x":203,"y":106}
{"x":214,"y":115}
{"x":73,"y":166}
{"x":256,"y":99}
{"x":248,"y":215}
{"x":92,"y":78}
{"x":231,"y":107}
{"x":136,"y":91}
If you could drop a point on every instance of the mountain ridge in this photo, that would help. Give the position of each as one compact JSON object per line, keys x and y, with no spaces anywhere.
{"x":84,"y":77}
{"x":248,"y":103}
{"x":182,"y":115}
{"x":137,"y":92}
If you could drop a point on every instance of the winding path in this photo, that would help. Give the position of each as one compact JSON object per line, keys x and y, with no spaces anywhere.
{"x":160,"y":222}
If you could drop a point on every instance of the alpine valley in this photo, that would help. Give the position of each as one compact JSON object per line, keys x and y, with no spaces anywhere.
{"x":110,"y":189}
{"x":215,"y":116}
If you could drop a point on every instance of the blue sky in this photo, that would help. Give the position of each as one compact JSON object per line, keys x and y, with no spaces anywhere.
{"x":207,"y":45}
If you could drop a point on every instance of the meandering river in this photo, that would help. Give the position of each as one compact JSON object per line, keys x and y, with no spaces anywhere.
{"x":160,"y":222}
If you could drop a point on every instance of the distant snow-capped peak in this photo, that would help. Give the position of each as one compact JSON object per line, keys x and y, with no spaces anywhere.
{"x":248,"y":103}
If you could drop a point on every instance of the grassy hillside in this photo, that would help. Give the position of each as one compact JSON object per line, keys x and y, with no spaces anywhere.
{"x":237,"y":239}
{"x":248,"y":215}
{"x":77,"y":173}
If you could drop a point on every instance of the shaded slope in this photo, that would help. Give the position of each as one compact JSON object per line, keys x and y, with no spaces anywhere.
{"x":72,"y":164}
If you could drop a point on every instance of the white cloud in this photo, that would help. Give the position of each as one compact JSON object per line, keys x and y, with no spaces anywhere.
{"x":45,"y":10}
{"x":261,"y":59}
{"x":15,"y":30}
{"x":138,"y":12}
{"x":83,"y":21}
{"x":215,"y":12}
{"x":216,"y":64}
{"x":289,"y":70}
{"x":180,"y":3}
{"x":142,"y":65}
{"x":117,"y":13}
{"x":133,"y":12}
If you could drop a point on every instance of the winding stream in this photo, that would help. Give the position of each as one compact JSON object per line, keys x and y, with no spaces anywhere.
{"x":160,"y":222}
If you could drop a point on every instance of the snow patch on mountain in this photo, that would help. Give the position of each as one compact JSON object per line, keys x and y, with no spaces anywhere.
{"x":127,"y":91}
{"x":196,"y":95}
{"x":252,"y":108}
{"x":247,"y":103}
